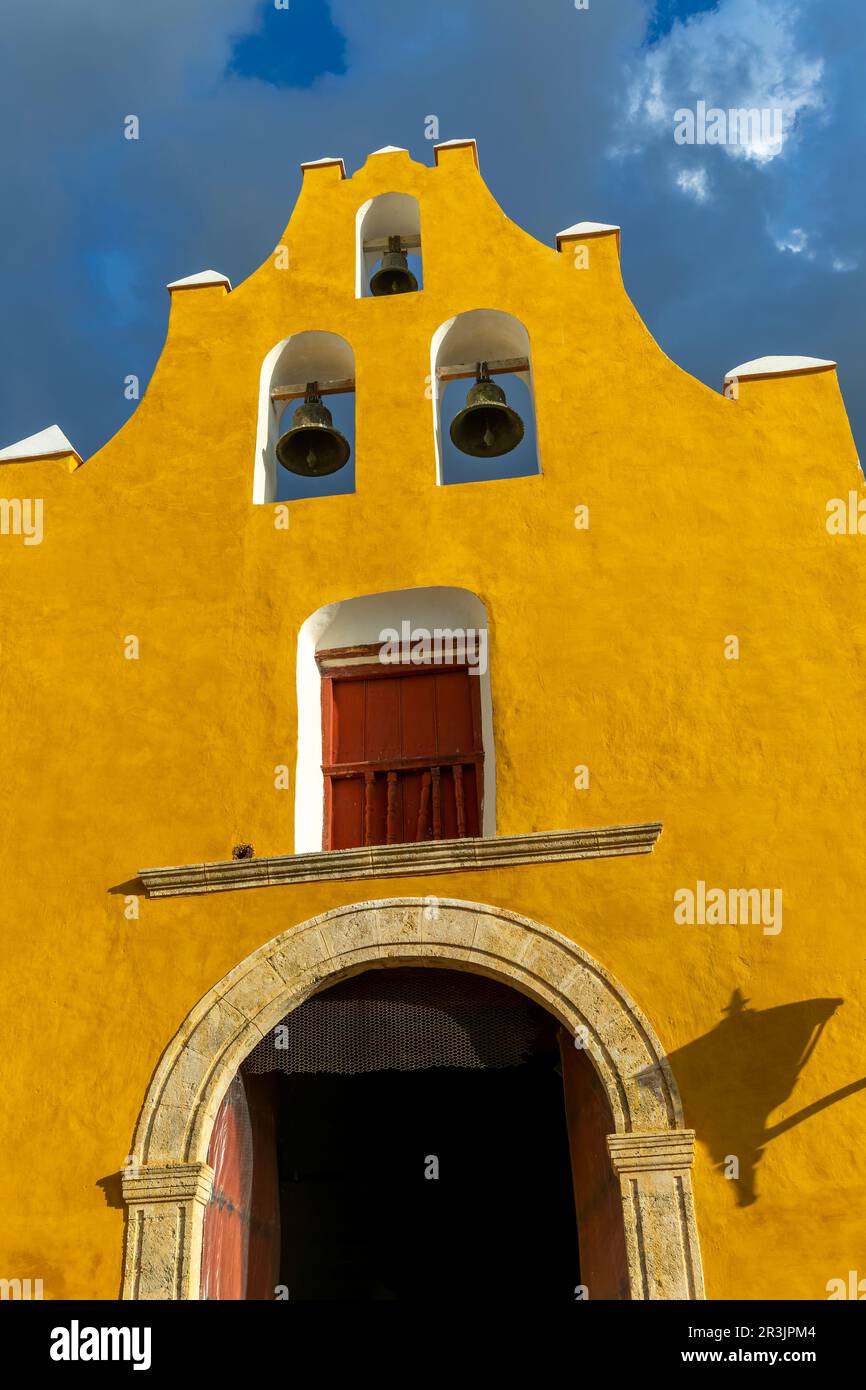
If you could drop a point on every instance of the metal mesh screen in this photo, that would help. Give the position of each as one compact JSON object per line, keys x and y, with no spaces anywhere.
{"x":406,"y":1020}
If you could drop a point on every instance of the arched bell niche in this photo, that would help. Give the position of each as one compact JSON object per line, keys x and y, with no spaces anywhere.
{"x":302,"y":358}
{"x":378,"y":221}
{"x":502,"y":342}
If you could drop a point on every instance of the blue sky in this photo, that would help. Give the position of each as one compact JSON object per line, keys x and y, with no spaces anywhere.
{"x":729,"y":253}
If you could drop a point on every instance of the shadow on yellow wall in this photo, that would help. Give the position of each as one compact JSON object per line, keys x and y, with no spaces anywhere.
{"x":752,"y":1060}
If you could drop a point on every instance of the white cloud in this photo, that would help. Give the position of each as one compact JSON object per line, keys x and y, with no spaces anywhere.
{"x":740,"y":57}
{"x":796,"y":241}
{"x":694,"y":183}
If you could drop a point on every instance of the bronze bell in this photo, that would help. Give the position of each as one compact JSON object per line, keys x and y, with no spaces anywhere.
{"x":487,"y":426}
{"x":312,"y":447}
{"x":393,"y":275}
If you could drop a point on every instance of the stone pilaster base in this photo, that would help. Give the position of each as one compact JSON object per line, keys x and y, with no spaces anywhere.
{"x":166,"y":1207}
{"x":661,"y":1232}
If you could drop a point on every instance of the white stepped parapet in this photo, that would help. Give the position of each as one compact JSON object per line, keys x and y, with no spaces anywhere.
{"x":778,"y":366}
{"x":456,"y":144}
{"x":585,"y":229}
{"x":203,"y":277}
{"x":48,"y":443}
{"x":336,"y":160}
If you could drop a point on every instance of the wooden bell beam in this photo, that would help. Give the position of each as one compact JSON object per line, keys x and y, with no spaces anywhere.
{"x":466,"y":370}
{"x":382,"y":244}
{"x":463,"y":371}
{"x":298,"y":390}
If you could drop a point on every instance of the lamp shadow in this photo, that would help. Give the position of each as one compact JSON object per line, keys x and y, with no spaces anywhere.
{"x":742,"y":1070}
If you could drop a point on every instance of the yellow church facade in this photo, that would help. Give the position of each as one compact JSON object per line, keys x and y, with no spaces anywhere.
{"x":655,"y":836}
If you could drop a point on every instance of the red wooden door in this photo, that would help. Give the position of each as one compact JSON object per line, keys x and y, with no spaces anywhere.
{"x":402,"y":755}
{"x":597,"y":1196}
{"x":241,"y":1240}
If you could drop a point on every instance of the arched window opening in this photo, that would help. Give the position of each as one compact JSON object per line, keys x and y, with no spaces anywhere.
{"x":305,"y":444}
{"x":395,"y":721}
{"x":483,"y":399}
{"x":389,"y":246}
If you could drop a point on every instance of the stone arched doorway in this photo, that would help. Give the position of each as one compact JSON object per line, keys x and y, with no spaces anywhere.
{"x":168,"y":1182}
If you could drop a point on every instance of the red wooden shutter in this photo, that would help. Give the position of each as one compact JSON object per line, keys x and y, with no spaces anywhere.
{"x":402,"y":755}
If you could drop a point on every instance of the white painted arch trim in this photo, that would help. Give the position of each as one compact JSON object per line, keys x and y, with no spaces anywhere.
{"x":167,"y":1183}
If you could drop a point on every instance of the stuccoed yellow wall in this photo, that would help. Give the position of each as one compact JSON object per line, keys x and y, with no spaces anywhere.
{"x":707,"y":518}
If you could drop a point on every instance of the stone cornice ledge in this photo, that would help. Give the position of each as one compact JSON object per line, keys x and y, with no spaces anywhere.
{"x":188,"y":1182}
{"x":670,"y":1152}
{"x":395,"y":861}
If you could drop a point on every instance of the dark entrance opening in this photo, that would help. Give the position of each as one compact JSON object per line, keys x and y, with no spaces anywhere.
{"x":422,"y":1146}
{"x":415,"y":1134}
{"x":360,"y":1218}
